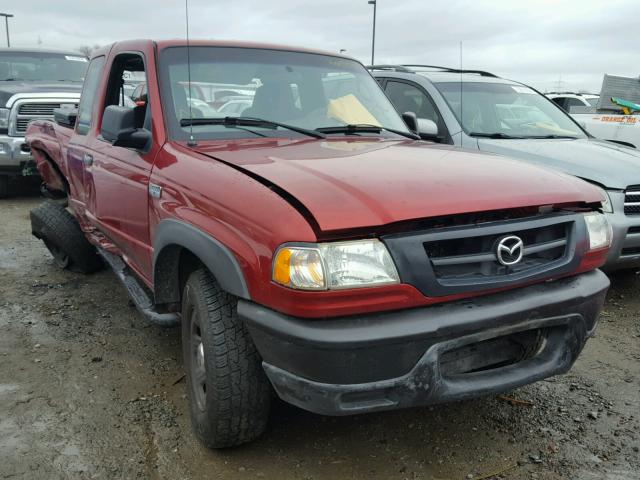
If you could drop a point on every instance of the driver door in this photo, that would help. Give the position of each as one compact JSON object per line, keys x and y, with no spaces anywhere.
{"x":117,"y":178}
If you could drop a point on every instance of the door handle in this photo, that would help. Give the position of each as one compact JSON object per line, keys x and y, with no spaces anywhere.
{"x":87,"y":159}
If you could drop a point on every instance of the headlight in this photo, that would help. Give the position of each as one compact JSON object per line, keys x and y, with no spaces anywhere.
{"x":336,"y":265}
{"x":4,"y":117}
{"x":599,"y":230}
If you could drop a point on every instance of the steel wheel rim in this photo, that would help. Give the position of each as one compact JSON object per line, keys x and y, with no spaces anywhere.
{"x":198,"y":364}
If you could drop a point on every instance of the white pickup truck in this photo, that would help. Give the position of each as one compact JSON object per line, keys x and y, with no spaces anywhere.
{"x":613,"y":118}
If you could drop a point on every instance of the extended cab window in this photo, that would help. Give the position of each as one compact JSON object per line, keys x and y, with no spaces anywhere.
{"x":94,"y":74}
{"x":304,"y":90}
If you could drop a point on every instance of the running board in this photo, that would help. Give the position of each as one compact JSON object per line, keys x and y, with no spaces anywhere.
{"x":139,"y":294}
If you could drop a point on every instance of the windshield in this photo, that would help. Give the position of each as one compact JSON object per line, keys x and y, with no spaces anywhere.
{"x":42,"y":66}
{"x":304,"y":90}
{"x":506,"y":110}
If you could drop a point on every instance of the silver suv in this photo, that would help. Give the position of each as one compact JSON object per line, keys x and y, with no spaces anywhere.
{"x":478,"y":110}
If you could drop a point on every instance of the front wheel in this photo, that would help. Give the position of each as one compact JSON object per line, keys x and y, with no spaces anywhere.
{"x":229,"y":393}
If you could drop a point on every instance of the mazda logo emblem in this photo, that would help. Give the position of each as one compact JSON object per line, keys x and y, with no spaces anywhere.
{"x":509,"y":250}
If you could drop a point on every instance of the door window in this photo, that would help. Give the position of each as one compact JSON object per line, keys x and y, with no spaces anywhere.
{"x":129,"y":67}
{"x":410,"y":98}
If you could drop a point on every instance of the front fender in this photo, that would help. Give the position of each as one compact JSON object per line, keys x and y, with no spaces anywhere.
{"x":171,"y":236}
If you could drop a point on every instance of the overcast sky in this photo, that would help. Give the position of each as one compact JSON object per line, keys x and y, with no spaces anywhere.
{"x":548,"y":44}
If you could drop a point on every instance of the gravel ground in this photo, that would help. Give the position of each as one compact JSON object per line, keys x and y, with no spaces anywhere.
{"x":89,"y":389}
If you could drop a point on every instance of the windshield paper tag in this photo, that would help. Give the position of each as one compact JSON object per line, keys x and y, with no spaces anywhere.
{"x":75,"y":59}
{"x":520,"y":89}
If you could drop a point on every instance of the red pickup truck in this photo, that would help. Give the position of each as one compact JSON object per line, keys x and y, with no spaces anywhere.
{"x":311,"y":245}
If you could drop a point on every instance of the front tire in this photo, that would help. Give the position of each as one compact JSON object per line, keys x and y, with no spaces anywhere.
{"x":229,"y":393}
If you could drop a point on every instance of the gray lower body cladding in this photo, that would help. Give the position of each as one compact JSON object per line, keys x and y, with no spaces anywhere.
{"x":427,"y":355}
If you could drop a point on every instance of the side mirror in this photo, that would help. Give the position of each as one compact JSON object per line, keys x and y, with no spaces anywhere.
{"x":119,"y":128}
{"x":411,"y":120}
{"x":65,"y":117}
{"x":427,"y":129}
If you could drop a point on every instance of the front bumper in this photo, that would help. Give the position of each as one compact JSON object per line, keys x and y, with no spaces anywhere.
{"x":425,"y":355}
{"x":15,"y":158}
{"x":625,"y":244}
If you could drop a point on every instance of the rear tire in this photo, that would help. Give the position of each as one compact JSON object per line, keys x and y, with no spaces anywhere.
{"x":61,"y":234}
{"x":229,"y":393}
{"x":4,"y":186}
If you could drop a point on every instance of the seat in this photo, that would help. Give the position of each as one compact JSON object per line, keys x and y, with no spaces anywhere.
{"x":273,"y":101}
{"x":180,"y":102}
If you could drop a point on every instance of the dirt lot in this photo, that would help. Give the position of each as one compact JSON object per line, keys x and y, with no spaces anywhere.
{"x":89,"y":389}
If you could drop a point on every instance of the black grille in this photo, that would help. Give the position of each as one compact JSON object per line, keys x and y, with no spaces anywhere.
{"x":632,"y":200}
{"x":453,"y":260}
{"x":475,"y":257}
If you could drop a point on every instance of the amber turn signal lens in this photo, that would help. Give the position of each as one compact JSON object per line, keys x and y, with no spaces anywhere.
{"x":281,"y":267}
{"x":299,"y":267}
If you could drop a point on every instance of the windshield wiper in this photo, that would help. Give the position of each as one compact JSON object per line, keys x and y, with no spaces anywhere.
{"x":492,"y":135}
{"x":352,"y":129}
{"x":248,"y":122}
{"x":551,"y":136}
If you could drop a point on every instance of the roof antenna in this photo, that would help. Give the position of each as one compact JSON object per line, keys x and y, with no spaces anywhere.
{"x":191,"y":142}
{"x":461,"y":117}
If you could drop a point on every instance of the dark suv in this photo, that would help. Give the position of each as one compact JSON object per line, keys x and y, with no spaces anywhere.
{"x":33,"y":82}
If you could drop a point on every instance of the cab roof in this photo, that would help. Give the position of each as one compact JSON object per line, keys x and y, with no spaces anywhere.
{"x":182,"y":42}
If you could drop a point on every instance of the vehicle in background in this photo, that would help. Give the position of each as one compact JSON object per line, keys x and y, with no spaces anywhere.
{"x":235,"y":105}
{"x":199,"y":107}
{"x":509,"y":118}
{"x":216,"y":94}
{"x":610,"y":118}
{"x":566,"y":100}
{"x":33,"y":82}
{"x":304,"y":247}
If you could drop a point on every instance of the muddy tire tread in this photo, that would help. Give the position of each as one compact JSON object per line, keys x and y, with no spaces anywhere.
{"x":240,"y":401}
{"x":58,"y":225}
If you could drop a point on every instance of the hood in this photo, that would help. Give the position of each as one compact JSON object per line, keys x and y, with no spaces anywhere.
{"x":9,"y":89}
{"x":612,"y":166}
{"x":348,"y":184}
